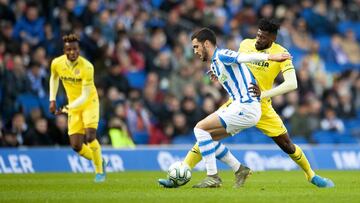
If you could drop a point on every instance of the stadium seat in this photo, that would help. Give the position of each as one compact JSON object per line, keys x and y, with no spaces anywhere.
{"x":141,"y":138}
{"x":299,"y":139}
{"x":136,"y":79}
{"x":324,"y":137}
{"x":184,"y":139}
{"x":345,"y":139}
{"x":28,"y":102}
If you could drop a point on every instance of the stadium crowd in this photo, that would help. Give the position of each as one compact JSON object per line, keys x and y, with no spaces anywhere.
{"x":151,"y":88}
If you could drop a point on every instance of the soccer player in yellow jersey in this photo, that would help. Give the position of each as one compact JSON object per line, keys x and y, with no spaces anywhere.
{"x":77,"y":76}
{"x":270,"y":123}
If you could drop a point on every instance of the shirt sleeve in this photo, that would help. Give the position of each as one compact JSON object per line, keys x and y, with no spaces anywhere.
{"x":88,"y":76}
{"x":54,"y":82}
{"x":286,"y":65}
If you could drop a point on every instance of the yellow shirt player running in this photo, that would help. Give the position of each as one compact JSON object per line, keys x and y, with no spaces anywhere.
{"x":77,"y":76}
{"x":270,"y":123}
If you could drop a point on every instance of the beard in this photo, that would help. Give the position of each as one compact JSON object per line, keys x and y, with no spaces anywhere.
{"x":205,"y":54}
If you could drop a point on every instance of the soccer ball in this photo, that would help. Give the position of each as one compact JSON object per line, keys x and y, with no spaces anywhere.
{"x":179,"y":173}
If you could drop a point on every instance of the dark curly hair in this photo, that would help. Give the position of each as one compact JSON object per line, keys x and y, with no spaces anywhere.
{"x":71,"y":38}
{"x":269,"y":25}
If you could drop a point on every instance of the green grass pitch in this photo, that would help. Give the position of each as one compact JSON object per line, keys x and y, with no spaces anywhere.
{"x":141,"y":186}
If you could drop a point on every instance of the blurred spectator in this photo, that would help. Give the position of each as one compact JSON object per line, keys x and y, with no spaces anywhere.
{"x":300,"y":35}
{"x":137,"y":116}
{"x":19,"y":127}
{"x":6,"y":30}
{"x":116,"y":79}
{"x":119,"y":134}
{"x":38,"y":81}
{"x":351,"y":47}
{"x":331,"y":122}
{"x":5,"y":12}
{"x":337,"y":54}
{"x":188,"y":108}
{"x":30,"y":28}
{"x":11,"y":90}
{"x":59,"y":131}
{"x":39,"y":135}
{"x":9,"y":139}
{"x":300,"y":124}
{"x":181,"y":128}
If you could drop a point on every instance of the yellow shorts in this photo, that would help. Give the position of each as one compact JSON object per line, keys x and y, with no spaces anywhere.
{"x":86,"y":117}
{"x":270,"y":122}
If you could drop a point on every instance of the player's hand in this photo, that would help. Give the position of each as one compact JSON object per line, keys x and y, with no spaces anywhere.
{"x":62,"y":110}
{"x":52,"y":107}
{"x":279,"y":57}
{"x":212,"y":76}
{"x":254,"y":90}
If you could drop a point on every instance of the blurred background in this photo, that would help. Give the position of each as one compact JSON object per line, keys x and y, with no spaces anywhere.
{"x":152,"y":89}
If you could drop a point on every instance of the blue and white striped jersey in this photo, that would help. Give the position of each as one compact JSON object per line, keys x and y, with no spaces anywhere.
{"x":235,"y":77}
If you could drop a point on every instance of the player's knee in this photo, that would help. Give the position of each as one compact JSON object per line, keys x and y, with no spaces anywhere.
{"x":76,"y":147}
{"x":200,"y":125}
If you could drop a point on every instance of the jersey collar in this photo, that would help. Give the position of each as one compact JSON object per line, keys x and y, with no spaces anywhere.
{"x":72,"y":64}
{"x":214,"y":55}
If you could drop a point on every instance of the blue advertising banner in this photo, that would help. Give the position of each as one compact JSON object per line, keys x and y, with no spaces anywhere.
{"x":257,"y":157}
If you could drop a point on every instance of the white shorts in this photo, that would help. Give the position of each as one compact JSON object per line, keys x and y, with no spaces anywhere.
{"x":239,"y":116}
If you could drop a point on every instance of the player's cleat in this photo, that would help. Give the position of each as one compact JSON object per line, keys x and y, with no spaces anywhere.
{"x":322,"y":182}
{"x":167,"y":183}
{"x":209,"y":182}
{"x":101,"y":177}
{"x":241,"y":175}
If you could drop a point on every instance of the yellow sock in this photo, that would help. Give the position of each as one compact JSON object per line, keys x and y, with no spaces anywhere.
{"x":301,"y":160}
{"x":86,"y":152}
{"x":193,"y":157}
{"x":96,"y":151}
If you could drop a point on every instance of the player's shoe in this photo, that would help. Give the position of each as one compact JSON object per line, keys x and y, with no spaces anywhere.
{"x":241,"y":175}
{"x":322,"y":182}
{"x":167,"y":183}
{"x":101,"y":177}
{"x":209,"y":182}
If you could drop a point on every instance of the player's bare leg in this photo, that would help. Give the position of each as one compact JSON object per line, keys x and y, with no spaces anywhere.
{"x":297,"y":155}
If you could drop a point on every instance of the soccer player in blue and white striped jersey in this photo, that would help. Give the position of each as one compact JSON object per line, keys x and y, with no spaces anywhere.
{"x":229,"y":69}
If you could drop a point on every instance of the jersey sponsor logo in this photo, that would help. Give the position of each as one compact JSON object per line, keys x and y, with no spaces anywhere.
{"x":264,"y":64}
{"x":70,"y":79}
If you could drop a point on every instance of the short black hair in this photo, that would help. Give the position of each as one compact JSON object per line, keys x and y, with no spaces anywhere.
{"x":71,"y":38}
{"x":204,"y":34}
{"x":269,"y":25}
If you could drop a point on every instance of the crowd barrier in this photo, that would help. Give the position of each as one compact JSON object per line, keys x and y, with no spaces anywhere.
{"x":257,"y":157}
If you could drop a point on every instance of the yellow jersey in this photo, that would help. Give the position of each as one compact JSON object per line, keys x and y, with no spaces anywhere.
{"x":265,"y":72}
{"x":75,"y":75}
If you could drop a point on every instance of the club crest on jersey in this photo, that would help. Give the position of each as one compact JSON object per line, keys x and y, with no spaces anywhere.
{"x":222,"y":78}
{"x":77,"y":72}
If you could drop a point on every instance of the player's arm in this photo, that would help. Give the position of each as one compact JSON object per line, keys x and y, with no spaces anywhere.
{"x":87,"y":81}
{"x":229,"y":57}
{"x":289,"y":84}
{"x":256,"y":57}
{"x":53,"y":86}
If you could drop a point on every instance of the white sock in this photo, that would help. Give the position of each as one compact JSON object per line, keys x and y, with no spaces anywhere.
{"x":207,"y":149}
{"x":223,"y":154}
